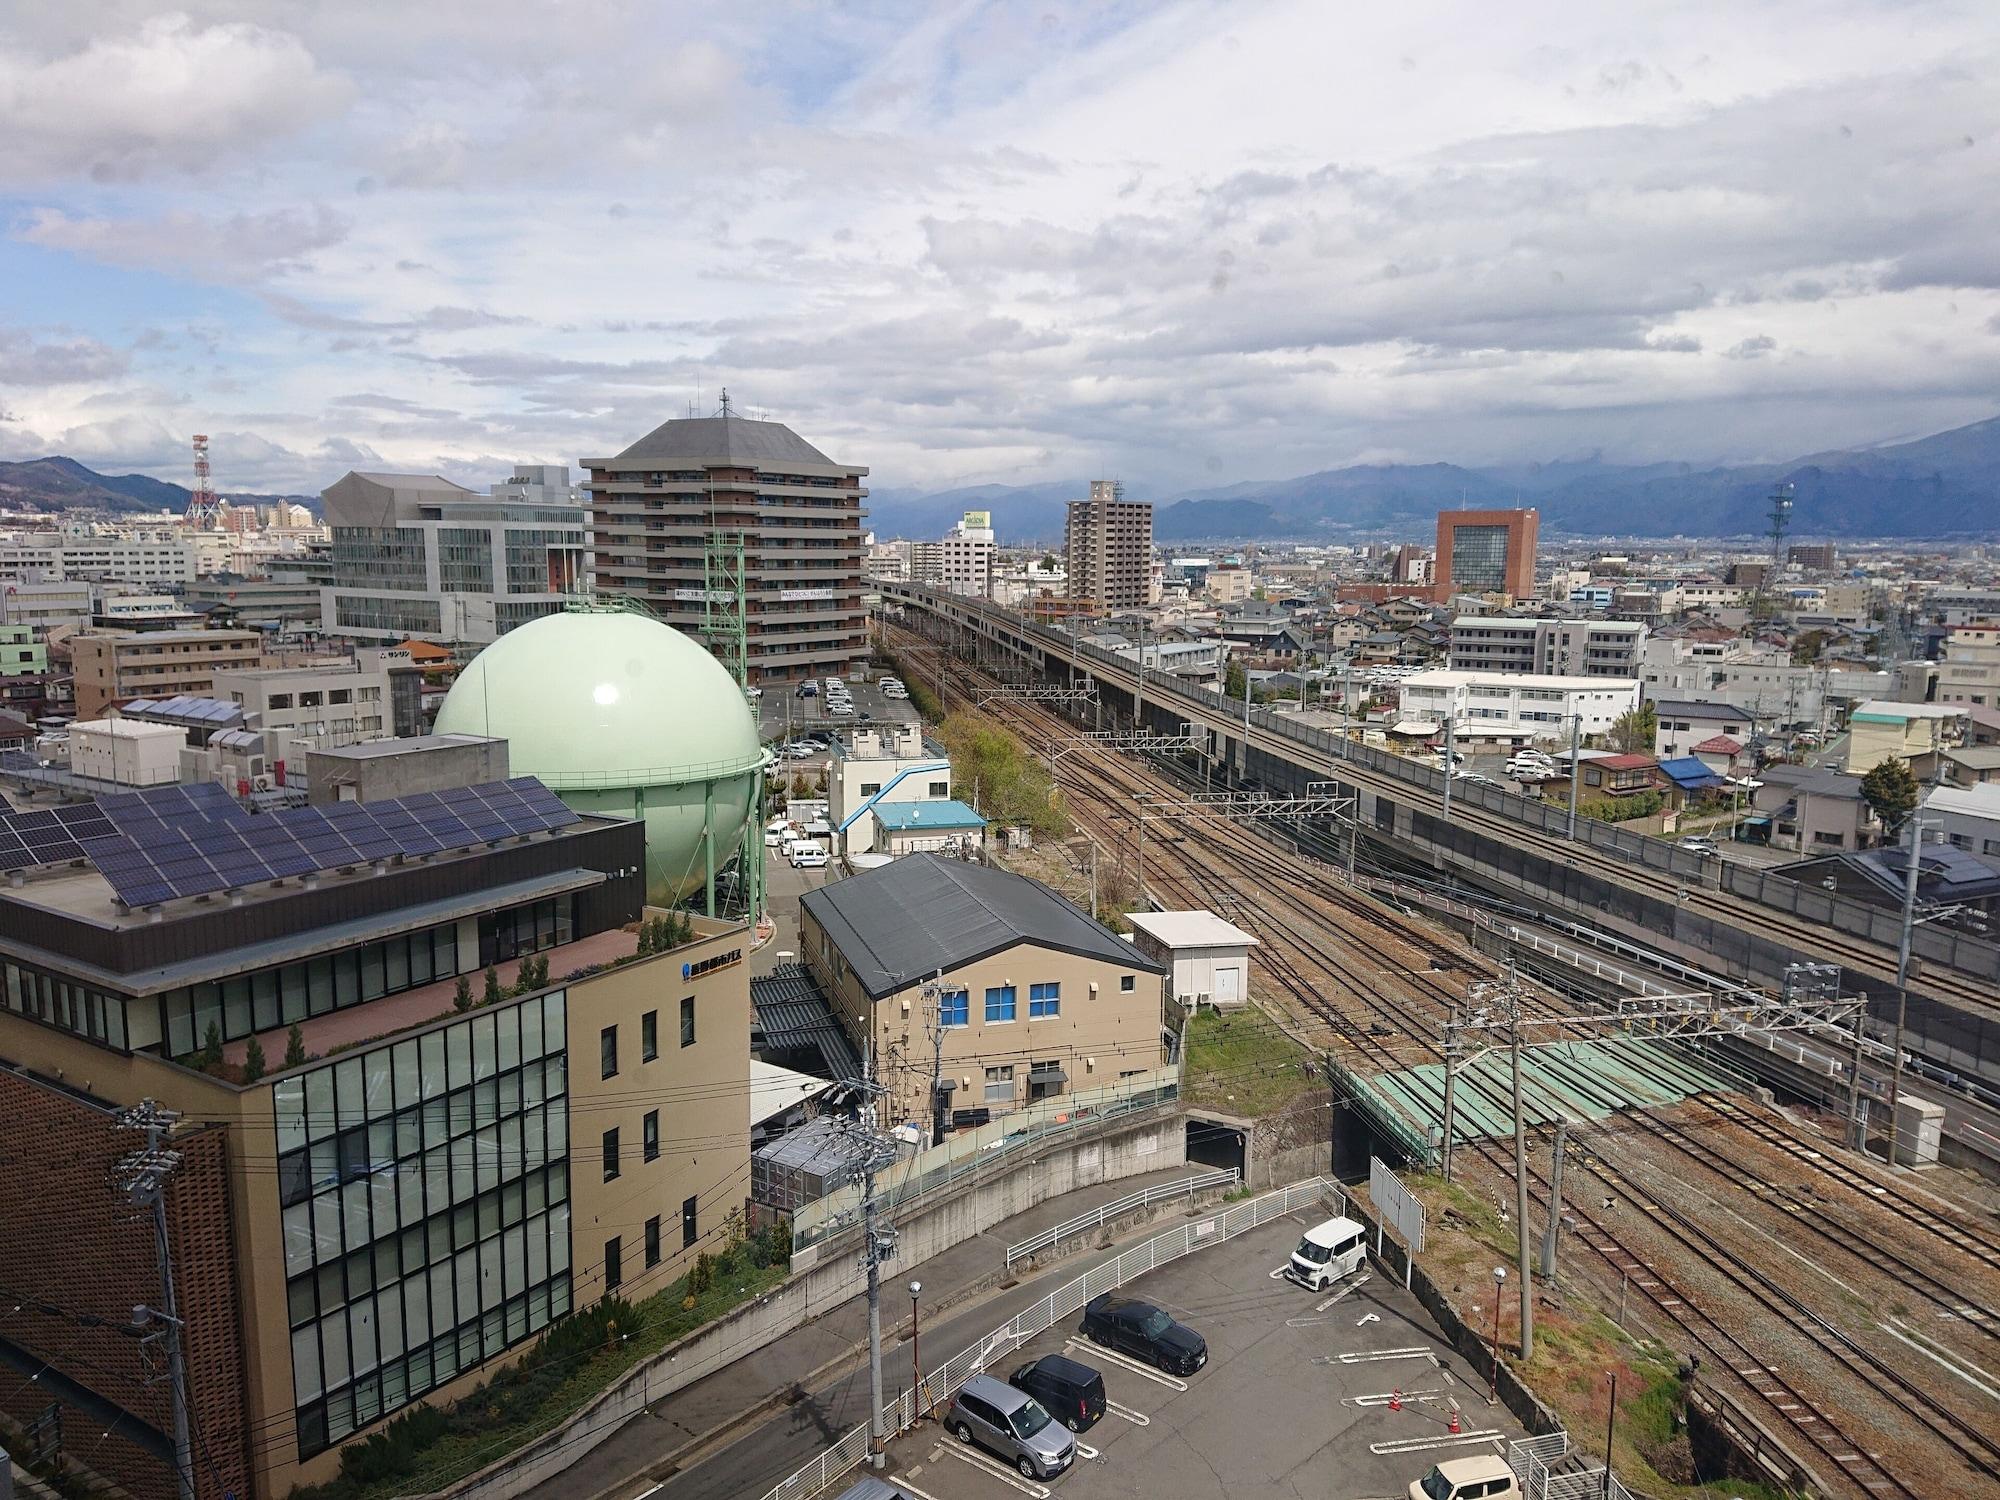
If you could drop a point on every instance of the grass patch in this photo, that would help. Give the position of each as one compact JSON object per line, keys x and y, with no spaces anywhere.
{"x":429,"y":1447}
{"x":1240,"y":1062}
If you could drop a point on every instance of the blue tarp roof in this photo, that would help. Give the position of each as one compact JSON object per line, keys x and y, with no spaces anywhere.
{"x":1690,"y":775}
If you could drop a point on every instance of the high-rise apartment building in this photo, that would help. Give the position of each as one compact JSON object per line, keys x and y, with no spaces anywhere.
{"x":965,"y":557}
{"x":1970,"y":672}
{"x":668,"y":512}
{"x":1108,"y":544}
{"x":418,"y":557}
{"x":1486,"y":552}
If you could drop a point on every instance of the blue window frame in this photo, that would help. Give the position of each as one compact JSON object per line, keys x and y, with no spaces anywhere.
{"x":1044,"y":1000}
{"x":952,"y":1008}
{"x":1000,"y":1003}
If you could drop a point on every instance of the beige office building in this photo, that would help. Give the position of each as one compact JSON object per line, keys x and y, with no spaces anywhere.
{"x":1108,"y":544}
{"x":1006,"y":991}
{"x":112,"y":666}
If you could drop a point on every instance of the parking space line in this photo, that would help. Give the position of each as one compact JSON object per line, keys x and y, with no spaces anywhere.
{"x":1361,"y":1281}
{"x":1136,"y":1418}
{"x":1385,"y":1397}
{"x":1452,"y":1440}
{"x":1084,"y":1450}
{"x":1130,"y":1364}
{"x":905,"y":1485}
{"x":985,"y":1465}
{"x":1366,"y":1356}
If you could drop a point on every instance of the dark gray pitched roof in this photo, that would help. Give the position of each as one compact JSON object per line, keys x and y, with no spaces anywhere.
{"x":792,"y":1015}
{"x":1685,"y":708}
{"x":899,"y":924}
{"x":692,"y":442}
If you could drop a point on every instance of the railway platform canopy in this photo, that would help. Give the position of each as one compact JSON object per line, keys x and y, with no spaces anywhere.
{"x":1571,"y":1080}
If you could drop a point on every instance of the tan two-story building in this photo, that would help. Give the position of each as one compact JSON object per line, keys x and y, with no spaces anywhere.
{"x":985,"y":981}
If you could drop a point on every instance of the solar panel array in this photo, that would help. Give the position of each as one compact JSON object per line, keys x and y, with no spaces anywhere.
{"x":49,"y":836}
{"x":179,"y":841}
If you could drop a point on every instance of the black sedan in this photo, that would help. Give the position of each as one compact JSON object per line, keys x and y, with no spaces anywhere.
{"x":1144,"y":1331}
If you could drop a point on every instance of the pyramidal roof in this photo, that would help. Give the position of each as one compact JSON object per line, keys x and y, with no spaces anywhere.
{"x":738,"y":442}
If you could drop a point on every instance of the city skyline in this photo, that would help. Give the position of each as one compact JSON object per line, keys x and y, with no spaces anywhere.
{"x":999,"y":244}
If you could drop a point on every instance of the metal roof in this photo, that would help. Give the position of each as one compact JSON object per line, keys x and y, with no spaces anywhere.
{"x":914,"y":817}
{"x":921,"y":915}
{"x":1690,"y":774}
{"x":795,"y":1016}
{"x":731,"y":442}
{"x":1191,"y":929}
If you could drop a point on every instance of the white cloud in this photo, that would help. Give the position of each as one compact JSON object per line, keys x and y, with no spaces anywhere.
{"x":1188,"y":242}
{"x":165,"y":94}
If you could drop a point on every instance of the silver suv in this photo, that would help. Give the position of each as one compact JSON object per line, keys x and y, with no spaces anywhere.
{"x":1013,"y":1424}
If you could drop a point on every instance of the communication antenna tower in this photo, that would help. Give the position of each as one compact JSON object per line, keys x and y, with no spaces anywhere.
{"x":1780,"y":519}
{"x":204,"y":507}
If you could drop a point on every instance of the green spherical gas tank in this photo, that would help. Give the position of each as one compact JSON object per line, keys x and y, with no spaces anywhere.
{"x":620,"y":714}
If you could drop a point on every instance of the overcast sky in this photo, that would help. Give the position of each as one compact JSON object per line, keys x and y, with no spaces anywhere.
{"x":1184,"y":243}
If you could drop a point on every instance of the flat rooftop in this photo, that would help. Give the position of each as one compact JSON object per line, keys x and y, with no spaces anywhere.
{"x":1449,"y":678}
{"x":415,"y":744}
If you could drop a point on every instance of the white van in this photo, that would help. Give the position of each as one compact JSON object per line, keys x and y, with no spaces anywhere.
{"x":1328,"y":1252}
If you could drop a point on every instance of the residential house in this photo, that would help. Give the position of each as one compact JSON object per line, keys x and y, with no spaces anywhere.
{"x":1810,"y":810}
{"x":1683,"y":725}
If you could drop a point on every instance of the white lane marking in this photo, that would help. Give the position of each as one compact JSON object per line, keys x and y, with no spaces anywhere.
{"x":1455,"y":1440}
{"x":642,"y":1495}
{"x":1361,"y":1281}
{"x":985,"y":1465}
{"x":1366,"y":1356}
{"x":1130,"y":1364}
{"x":1084,"y":1450}
{"x":1384,"y":1398}
{"x":1303,"y":1322}
{"x":1136,"y":1418}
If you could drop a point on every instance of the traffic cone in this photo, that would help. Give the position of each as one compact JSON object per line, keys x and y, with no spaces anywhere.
{"x":1396,"y":1399}
{"x":1454,"y":1427}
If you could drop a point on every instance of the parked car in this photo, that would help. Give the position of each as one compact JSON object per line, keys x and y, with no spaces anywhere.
{"x":1013,"y":1425}
{"x":1483,"y":1477}
{"x":774,"y":838}
{"x":801,"y":752}
{"x":808,"y":690}
{"x":1328,"y":1252}
{"x":1143,"y":1330}
{"x":840,"y":710}
{"x":1697,"y":845}
{"x":808,"y":858}
{"x":1072,"y":1392}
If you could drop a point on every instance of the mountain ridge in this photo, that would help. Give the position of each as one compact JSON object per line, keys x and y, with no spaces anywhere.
{"x":1943,"y":485}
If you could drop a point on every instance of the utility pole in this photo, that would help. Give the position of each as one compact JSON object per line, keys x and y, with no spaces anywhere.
{"x":1903,"y":975}
{"x":934,"y":1013}
{"x":1451,"y":1049}
{"x":878,"y":1241}
{"x":1555,"y":1204}
{"x":1450,"y":757}
{"x":1856,"y":1139}
{"x":142,"y":1176}
{"x":1512,"y":993}
{"x":1575,"y":769}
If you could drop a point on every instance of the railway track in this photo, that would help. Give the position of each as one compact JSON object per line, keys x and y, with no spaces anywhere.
{"x":1860,"y":956}
{"x":1307,"y":915}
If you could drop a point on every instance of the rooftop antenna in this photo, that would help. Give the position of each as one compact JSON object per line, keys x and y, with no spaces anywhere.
{"x":725,"y":402}
{"x":1780,"y":518}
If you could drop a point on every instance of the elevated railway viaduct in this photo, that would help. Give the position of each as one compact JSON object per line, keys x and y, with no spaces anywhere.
{"x":1724,"y":918}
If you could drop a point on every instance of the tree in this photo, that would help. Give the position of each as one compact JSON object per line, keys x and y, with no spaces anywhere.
{"x":461,"y":994}
{"x":211,"y":1048}
{"x":494,"y":993}
{"x":1232,"y":682}
{"x":253,"y":1061}
{"x":295,"y":1047}
{"x":1891,"y":790}
{"x":1634,"y":733}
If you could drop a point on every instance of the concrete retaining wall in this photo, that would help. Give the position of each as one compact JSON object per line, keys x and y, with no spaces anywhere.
{"x":1148,"y":1146}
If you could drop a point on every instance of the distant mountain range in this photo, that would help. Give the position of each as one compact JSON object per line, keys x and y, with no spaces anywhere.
{"x":1946,"y":485}
{"x":59,"y":484}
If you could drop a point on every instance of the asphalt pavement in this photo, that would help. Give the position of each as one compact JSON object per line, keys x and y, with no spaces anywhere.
{"x":772,"y":1411}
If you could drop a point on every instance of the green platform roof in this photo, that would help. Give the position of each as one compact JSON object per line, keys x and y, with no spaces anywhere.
{"x":1570,"y":1080}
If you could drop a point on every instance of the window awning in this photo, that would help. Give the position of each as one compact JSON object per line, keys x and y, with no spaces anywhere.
{"x":1047,"y":1073}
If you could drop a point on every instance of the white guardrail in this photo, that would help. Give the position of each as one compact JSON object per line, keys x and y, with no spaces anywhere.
{"x":938,"y":1387}
{"x":1069,"y":1229}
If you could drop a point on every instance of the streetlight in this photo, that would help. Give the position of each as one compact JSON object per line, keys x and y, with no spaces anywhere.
{"x":916,"y":1369}
{"x":1493,"y":1382}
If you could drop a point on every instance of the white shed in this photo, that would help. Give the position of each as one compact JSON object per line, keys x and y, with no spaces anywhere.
{"x":1207,"y":959}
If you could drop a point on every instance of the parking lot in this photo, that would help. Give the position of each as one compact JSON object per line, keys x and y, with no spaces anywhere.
{"x":1296,"y":1398}
{"x":782,"y":714}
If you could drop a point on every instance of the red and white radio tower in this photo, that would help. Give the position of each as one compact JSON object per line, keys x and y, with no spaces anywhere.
{"x":204,"y":505}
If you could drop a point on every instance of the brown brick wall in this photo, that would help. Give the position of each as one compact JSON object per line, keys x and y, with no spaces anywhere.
{"x":72,"y":1248}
